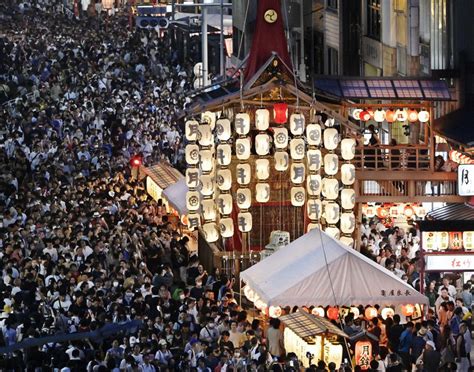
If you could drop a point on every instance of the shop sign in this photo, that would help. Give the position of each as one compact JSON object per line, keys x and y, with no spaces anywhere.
{"x":443,"y":240}
{"x":449,"y":263}
{"x":466,"y":180}
{"x":372,"y":52}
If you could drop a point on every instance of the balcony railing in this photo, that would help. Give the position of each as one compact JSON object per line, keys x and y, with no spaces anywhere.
{"x":399,"y":158}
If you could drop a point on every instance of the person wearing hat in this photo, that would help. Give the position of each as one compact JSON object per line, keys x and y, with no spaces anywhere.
{"x":430,"y":359}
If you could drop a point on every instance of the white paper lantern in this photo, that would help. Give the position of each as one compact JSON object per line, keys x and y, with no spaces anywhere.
{"x":401,"y":115}
{"x":243,"y":174}
{"x":206,"y":137}
{"x":192,"y":177}
{"x":379,"y":116}
{"x":244,"y":221}
{"x":423,"y":116}
{"x":280,"y":137}
{"x":224,"y":204}
{"x":297,"y":148}
{"x":191,"y":130}
{"x":262,"y":144}
{"x":211,"y":234}
{"x":347,"y":223}
{"x":226,"y":227}
{"x":297,"y":124}
{"x":348,"y":174}
{"x":313,"y":158}
{"x":312,"y":226}
{"x":331,"y":164}
{"x":249,"y":293}
{"x":347,"y":240}
{"x":331,"y":212}
{"x":224,"y":154}
{"x":329,"y":122}
{"x":242,"y":148}
{"x":224,"y":179}
{"x":318,"y":311}
{"x":193,"y":200}
{"x":348,"y":198}
{"x":331,"y":138}
{"x":208,"y":207}
{"x":348,"y":148}
{"x":209,"y":117}
{"x":262,"y":192}
{"x":262,"y":168}
{"x":242,"y":123}
{"x":206,"y":160}
{"x":298,"y":196}
{"x":330,"y":188}
{"x":244,"y":198}
{"x":192,"y":154}
{"x":194,"y":221}
{"x":274,"y":311}
{"x":333,"y":232}
{"x":207,"y":185}
{"x":387,"y":312}
{"x":313,"y":184}
{"x":223,"y":129}
{"x":282,"y":161}
{"x":356,"y":113}
{"x":313,"y":134}
{"x":314,"y":208}
{"x":262,"y":119}
{"x":297,"y":173}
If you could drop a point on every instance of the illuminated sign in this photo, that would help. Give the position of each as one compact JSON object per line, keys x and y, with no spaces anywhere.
{"x":449,"y":263}
{"x":466,"y":179}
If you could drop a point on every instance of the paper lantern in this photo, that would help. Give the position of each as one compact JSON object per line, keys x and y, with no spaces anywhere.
{"x":468,"y":240}
{"x":331,"y":212}
{"x":297,"y":173}
{"x":298,"y":196}
{"x":206,"y":160}
{"x":364,"y":116}
{"x":313,"y":159}
{"x":356,"y":113}
{"x":194,"y":221}
{"x":347,"y":240}
{"x":318,"y":311}
{"x":401,"y":115}
{"x":297,"y":148}
{"x":370,"y":212}
{"x":370,"y":313}
{"x":224,"y":204}
{"x":262,"y":192}
{"x":408,"y":211}
{"x":243,"y":174}
{"x":333,"y":232}
{"x":281,"y":161}
{"x":329,"y":122}
{"x":207,"y":185}
{"x":379,"y":116}
{"x":280,"y":113}
{"x":259,"y":304}
{"x":390,"y":116}
{"x":348,"y":174}
{"x":208,"y":208}
{"x":347,"y":223}
{"x":331,"y":164}
{"x":223,"y":129}
{"x":355,"y":310}
{"x":313,"y":134}
{"x":348,"y":146}
{"x":280,"y":138}
{"x":412,"y":116}
{"x":331,"y":138}
{"x":242,"y":148}
{"x":423,"y":116}
{"x":193,"y":199}
{"x":297,"y":124}
{"x":420,"y":211}
{"x":209,"y":117}
{"x":224,"y":154}
{"x":224,"y":179}
{"x":192,"y":177}
{"x":312,"y":226}
{"x":330,"y":188}
{"x":408,"y":310}
{"x":333,"y":313}
{"x":206,"y":137}
{"x":262,"y":119}
{"x":313,"y":184}
{"x":382,"y":212}
{"x":249,"y":293}
{"x":191,"y":130}
{"x":244,"y":221}
{"x":226,"y":227}
{"x":242,"y":123}
{"x":363,"y":354}
{"x":348,"y":198}
{"x":393,"y":211}
{"x":192,"y":154}
{"x":387,"y":312}
{"x":262,"y":144}
{"x":262,"y":168}
{"x":211,"y":234}
{"x":274,"y":311}
{"x":314,"y":209}
{"x":244,"y":198}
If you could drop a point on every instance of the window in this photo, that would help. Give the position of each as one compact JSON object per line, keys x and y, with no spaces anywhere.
{"x":440,"y":48}
{"x":332,"y":4}
{"x":333,"y":62}
{"x":373,"y":19}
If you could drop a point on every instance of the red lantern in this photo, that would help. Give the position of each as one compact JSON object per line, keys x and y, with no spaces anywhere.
{"x":365,"y":115}
{"x":408,"y":310}
{"x":390,"y":116}
{"x":333,"y":313}
{"x":382,"y":212}
{"x":409,"y":212}
{"x":371,"y":313}
{"x":363,"y":354}
{"x":371,"y":113}
{"x":280,"y":111}
{"x":136,"y":161}
{"x":412,"y":116}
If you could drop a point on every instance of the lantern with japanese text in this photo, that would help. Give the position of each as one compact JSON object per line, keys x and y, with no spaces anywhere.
{"x":262,"y":119}
{"x":330,"y":188}
{"x":363,"y":354}
{"x":244,"y":221}
{"x":297,"y":148}
{"x":224,"y":154}
{"x":348,"y":174}
{"x":223,"y":129}
{"x":313,"y":184}
{"x":347,"y":223}
{"x":331,"y":212}
{"x":348,"y":199}
{"x":298,"y":196}
{"x":331,"y":164}
{"x":280,"y":138}
{"x":282,"y":161}
{"x":262,"y":192}
{"x":242,"y":148}
{"x":242,"y":124}
{"x":207,"y":185}
{"x":192,"y":154}
{"x":313,"y":134}
{"x":244,"y":198}
{"x":348,"y":148}
{"x":297,"y":173}
{"x":210,"y":231}
{"x":331,"y":138}
{"x":194,"y":221}
{"x":262,"y":169}
{"x":297,"y":124}
{"x":208,"y":207}
{"x":191,"y":128}
{"x":206,"y":138}
{"x":262,"y":144}
{"x":313,"y":158}
{"x":224,"y":204}
{"x":224,"y":179}
{"x":243,"y":174}
{"x":314,"y":209}
{"x":226,"y":227}
{"x":193,"y":200}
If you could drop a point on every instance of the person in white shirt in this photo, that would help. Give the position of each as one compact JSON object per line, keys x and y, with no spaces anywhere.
{"x":451,"y":288}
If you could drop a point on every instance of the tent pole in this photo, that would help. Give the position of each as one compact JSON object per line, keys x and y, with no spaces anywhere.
{"x":322,"y":347}
{"x":240,"y":292}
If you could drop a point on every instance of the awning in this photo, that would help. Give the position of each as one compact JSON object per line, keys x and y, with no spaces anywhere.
{"x":457,"y":127}
{"x":453,"y":212}
{"x":176,"y":196}
{"x":163,"y":174}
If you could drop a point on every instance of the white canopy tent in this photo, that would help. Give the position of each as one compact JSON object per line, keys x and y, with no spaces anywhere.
{"x":297,"y":275}
{"x":176,"y":196}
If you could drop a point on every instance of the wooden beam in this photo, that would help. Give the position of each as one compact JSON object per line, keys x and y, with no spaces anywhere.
{"x":408,"y":199}
{"x":408,"y":175}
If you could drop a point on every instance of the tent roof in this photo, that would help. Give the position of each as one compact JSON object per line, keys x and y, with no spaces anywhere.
{"x":297,"y":275}
{"x":163,"y":174}
{"x":176,"y":196}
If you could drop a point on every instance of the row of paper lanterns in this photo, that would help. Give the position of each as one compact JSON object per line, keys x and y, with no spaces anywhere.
{"x":384,"y":211}
{"x":391,"y":116}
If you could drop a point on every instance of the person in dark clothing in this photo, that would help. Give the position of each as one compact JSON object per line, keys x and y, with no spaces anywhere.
{"x":431,"y":358}
{"x":395,"y":333}
{"x":371,"y":153}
